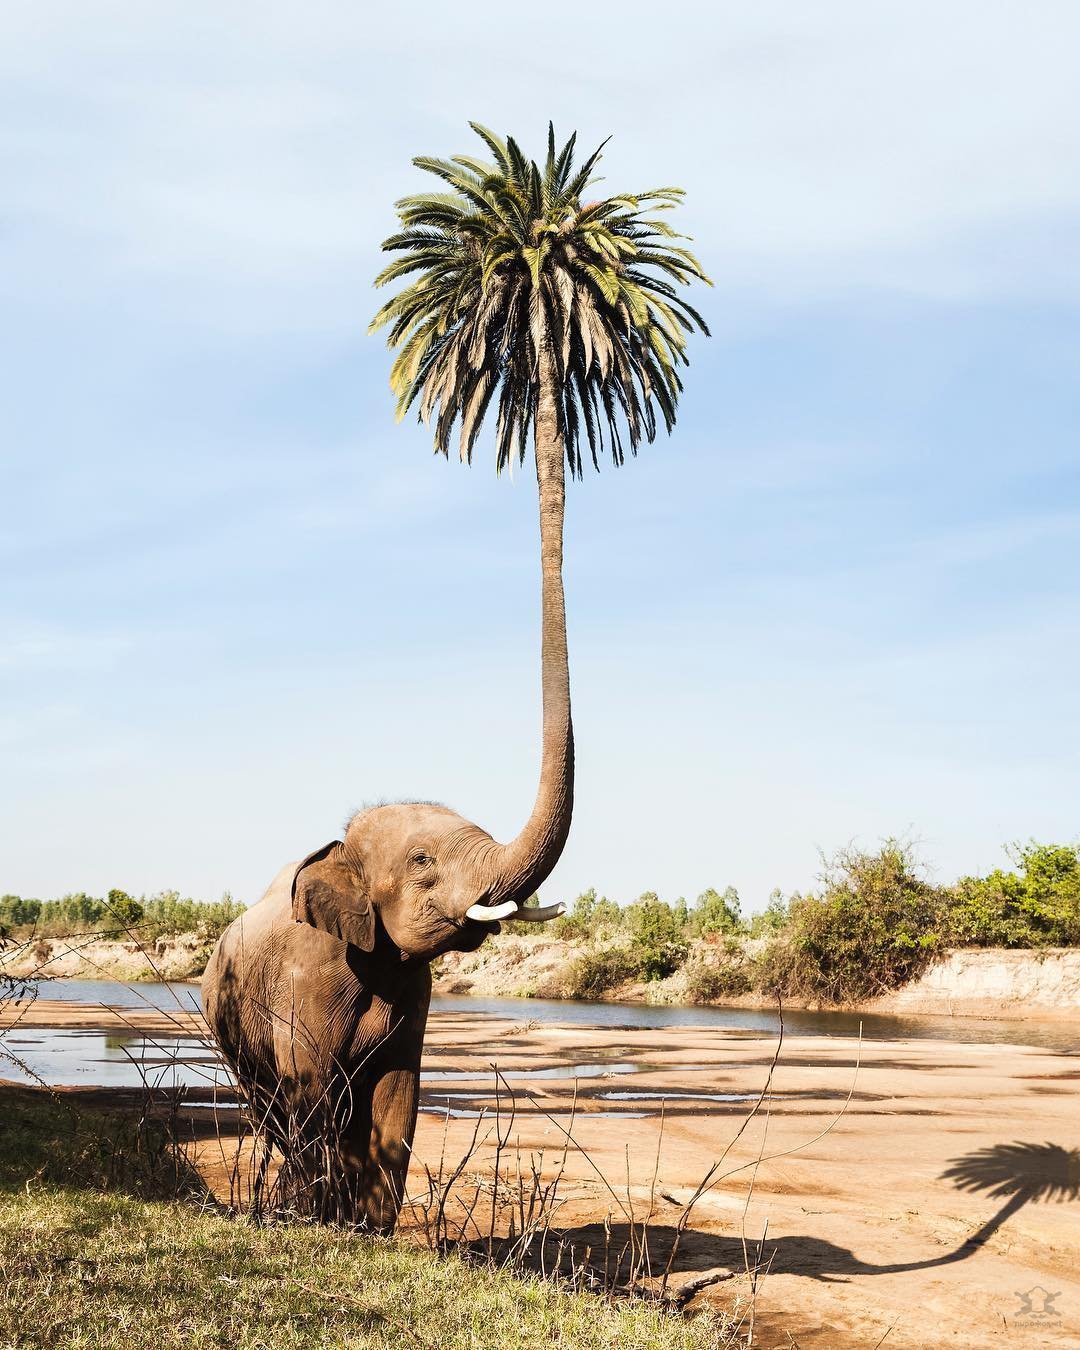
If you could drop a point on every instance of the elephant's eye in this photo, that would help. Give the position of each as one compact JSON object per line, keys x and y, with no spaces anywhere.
{"x":422,"y":859}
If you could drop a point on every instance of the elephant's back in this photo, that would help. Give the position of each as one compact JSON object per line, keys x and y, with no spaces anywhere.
{"x":245,"y":951}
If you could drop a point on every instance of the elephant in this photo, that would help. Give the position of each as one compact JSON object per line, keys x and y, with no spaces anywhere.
{"x":318,"y":995}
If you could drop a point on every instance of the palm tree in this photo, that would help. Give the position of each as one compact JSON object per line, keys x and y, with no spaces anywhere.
{"x":566,"y":312}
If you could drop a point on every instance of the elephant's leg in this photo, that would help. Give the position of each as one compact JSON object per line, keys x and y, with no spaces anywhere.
{"x":382,"y":1145}
{"x":380,"y":1155}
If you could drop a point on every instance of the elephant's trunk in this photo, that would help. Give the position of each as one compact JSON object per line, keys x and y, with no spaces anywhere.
{"x":525,"y":863}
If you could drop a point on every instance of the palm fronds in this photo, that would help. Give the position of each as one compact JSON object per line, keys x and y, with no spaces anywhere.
{"x":511,"y":263}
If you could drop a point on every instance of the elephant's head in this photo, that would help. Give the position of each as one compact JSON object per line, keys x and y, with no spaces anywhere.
{"x":428,"y":877}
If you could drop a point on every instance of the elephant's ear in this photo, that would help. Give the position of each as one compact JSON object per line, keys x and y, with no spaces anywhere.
{"x":329,"y":892}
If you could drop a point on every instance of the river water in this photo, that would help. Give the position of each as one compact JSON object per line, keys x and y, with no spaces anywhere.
{"x":72,"y":1057}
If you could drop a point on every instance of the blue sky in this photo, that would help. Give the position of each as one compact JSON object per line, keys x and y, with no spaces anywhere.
{"x":238,"y":601}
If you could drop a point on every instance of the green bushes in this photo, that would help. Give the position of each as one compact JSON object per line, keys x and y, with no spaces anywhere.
{"x":875,"y":923}
{"x":878,"y":923}
{"x":1037,"y":907}
{"x":75,"y":913}
{"x":651,"y":940}
{"x":772,"y":919}
{"x":121,"y":912}
{"x":714,"y":914}
{"x":167,"y":915}
{"x":17,"y":913}
{"x":589,"y":917}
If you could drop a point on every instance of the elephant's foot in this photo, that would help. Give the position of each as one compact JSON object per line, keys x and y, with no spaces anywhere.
{"x":378,"y":1202}
{"x":347,"y":1198}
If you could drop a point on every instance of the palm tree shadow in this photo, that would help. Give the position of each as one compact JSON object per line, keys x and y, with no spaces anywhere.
{"x":1017,"y":1173}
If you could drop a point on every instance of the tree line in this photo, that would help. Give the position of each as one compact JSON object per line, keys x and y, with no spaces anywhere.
{"x":875,"y":921}
{"x":165,"y":914}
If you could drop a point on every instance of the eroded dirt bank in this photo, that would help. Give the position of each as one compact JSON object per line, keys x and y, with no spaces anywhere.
{"x":81,"y":957}
{"x":994,"y":983}
{"x":944,"y":1192}
{"x":974,"y":982}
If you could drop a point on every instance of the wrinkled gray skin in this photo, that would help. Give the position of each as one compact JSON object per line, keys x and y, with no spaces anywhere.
{"x":318,"y":995}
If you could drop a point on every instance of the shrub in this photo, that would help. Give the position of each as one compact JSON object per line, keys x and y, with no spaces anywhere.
{"x":78,"y":911}
{"x":522,"y":927}
{"x":875,"y":925}
{"x":593,"y":974}
{"x":167,"y":915}
{"x":121,"y":913}
{"x":15,"y":912}
{"x":163,"y":915}
{"x":707,"y":980}
{"x":657,"y":936}
{"x":606,"y":917}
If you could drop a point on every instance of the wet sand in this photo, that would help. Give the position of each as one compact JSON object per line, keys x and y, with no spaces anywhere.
{"x":931,"y":1193}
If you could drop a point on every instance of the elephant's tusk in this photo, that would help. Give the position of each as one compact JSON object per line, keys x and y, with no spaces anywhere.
{"x":492,"y":913}
{"x":541,"y":913}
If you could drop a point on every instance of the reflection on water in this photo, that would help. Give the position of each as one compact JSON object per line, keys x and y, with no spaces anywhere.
{"x":73,"y":1058}
{"x":470,"y":1113}
{"x":1058,"y":1036}
{"x":69,"y":1057}
{"x":180,"y":996}
{"x":748,"y":1021}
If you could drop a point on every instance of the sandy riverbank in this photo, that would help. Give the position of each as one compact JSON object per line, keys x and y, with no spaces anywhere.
{"x":869,"y":1226}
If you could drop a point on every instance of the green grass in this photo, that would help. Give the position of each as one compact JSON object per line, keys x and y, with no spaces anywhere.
{"x":89,"y":1263}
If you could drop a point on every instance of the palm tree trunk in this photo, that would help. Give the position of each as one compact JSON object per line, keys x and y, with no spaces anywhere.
{"x":524,"y":864}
